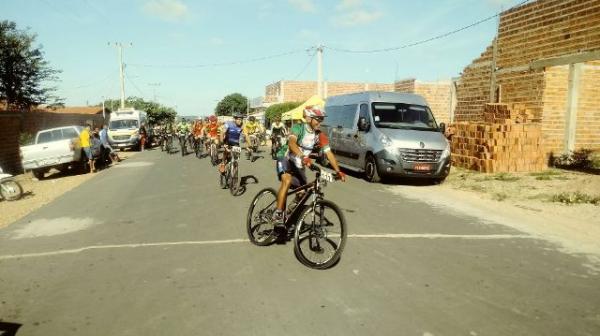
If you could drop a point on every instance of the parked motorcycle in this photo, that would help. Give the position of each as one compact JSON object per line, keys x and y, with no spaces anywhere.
{"x":10,"y":189}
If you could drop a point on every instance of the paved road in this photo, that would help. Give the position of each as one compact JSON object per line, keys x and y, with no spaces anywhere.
{"x":153,"y":247}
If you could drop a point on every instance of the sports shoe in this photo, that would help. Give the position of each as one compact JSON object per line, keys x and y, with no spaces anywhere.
{"x":278,"y":219}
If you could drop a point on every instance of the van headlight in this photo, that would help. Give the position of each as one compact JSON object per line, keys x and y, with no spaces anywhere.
{"x":386,"y":141}
{"x":446,"y":152}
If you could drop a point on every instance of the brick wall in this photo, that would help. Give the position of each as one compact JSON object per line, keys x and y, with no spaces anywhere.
{"x":473,"y":88}
{"x":10,"y":124}
{"x":547,"y":28}
{"x":34,"y":121}
{"x":540,"y":30}
{"x":302,"y":90}
{"x":437,"y":95}
{"x":588,"y":111}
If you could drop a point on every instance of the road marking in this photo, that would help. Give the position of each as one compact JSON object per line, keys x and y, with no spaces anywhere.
{"x":235,"y":241}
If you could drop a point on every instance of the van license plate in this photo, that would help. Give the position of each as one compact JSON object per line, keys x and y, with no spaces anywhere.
{"x":422,"y":167}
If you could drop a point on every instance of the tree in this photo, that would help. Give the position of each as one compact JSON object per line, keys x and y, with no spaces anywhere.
{"x":24,"y":74}
{"x":277,"y":110}
{"x":233,"y":103}
{"x":157,"y":113}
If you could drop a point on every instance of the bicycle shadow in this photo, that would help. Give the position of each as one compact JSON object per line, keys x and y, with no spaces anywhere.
{"x":9,"y":329}
{"x":244,"y":181}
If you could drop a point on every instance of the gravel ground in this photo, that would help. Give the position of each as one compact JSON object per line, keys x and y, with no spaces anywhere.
{"x":38,"y":193}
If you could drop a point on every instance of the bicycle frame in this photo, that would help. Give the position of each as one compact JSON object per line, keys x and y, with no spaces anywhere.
{"x":313,"y":189}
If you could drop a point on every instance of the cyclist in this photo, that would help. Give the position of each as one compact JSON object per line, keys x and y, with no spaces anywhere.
{"x":232,"y":132}
{"x":197,"y":131}
{"x":252,"y":129}
{"x":278,"y":132}
{"x":211,"y":132}
{"x":293,"y":157}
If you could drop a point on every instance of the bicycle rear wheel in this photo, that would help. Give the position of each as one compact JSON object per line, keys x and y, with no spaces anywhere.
{"x":234,"y":179}
{"x":259,"y":223}
{"x":11,"y":190}
{"x":213,"y":154}
{"x":320,"y":235}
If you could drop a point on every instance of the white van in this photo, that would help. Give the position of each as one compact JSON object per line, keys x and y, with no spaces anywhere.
{"x":386,"y":134}
{"x":124,"y":126}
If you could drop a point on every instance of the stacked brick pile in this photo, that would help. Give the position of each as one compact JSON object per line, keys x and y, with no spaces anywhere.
{"x":502,"y":146}
{"x":503,"y":113}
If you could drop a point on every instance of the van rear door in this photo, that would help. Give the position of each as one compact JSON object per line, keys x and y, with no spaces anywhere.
{"x":346,"y":148}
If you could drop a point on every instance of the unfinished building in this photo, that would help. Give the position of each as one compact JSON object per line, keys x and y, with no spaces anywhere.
{"x":544,"y":64}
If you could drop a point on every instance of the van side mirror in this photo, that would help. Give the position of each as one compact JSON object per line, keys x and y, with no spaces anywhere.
{"x":443,"y":128}
{"x":363,"y":124}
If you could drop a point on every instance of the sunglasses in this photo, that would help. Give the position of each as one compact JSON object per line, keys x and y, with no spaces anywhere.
{"x":319,"y":119}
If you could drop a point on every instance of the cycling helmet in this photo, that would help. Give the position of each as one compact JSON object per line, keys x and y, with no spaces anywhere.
{"x":238,"y":116}
{"x":314,"y":111}
{"x":252,"y":118}
{"x":212,"y":118}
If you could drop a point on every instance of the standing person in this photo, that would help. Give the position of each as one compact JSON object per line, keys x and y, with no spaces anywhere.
{"x":294,"y":157}
{"x":84,"y":140}
{"x":112,"y":155}
{"x":143,"y":137}
{"x":95,"y":148}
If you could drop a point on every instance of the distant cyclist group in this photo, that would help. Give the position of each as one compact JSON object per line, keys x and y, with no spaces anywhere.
{"x":293,"y":150}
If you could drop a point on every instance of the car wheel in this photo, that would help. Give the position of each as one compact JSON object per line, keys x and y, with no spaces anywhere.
{"x":371,"y":169}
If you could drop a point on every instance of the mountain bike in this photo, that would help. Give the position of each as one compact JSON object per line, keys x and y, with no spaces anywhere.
{"x":169,"y":143}
{"x":318,"y":225}
{"x":182,"y":142}
{"x":214,"y":153}
{"x":253,"y":146}
{"x":276,"y":141}
{"x":198,"y":146}
{"x":231,"y":177}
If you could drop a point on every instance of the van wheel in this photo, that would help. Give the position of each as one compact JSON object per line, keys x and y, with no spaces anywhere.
{"x":371,"y":172}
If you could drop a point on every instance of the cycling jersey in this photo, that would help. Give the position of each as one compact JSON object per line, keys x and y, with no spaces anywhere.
{"x":197,"y":131}
{"x":212,"y":130}
{"x":278,"y":129}
{"x":306,"y":140}
{"x":252,"y":127}
{"x":232,"y":134}
{"x":183,"y":128}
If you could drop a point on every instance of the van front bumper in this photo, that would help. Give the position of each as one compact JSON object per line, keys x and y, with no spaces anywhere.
{"x":391,"y":164}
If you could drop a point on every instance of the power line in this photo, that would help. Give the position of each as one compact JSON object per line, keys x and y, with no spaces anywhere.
{"x":252,"y":60}
{"x":427,"y":40}
{"x":312,"y":57}
{"x":134,"y":85}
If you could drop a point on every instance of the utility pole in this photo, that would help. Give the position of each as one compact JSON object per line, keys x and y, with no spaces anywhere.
{"x":120,"y":46}
{"x":320,"y":70}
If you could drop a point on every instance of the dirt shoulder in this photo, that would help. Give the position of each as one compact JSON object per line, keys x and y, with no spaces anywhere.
{"x":37,"y":193}
{"x":557,"y":205}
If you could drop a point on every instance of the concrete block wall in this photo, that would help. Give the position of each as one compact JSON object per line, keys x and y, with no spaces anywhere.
{"x":302,"y":90}
{"x":588,"y":109}
{"x":10,"y":125}
{"x":473,"y":88}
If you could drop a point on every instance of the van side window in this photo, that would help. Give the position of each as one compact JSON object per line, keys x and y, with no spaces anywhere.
{"x":348,"y":114}
{"x":364,"y":111}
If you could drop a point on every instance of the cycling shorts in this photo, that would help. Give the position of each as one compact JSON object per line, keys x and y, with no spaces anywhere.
{"x":285,"y":165}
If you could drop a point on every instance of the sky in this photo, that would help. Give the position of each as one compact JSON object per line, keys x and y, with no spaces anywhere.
{"x":179,"y":52}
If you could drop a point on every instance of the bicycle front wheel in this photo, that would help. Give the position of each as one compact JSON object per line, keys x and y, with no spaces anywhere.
{"x":320,"y":235}
{"x":213,"y":154}
{"x":234,"y":179}
{"x":259,"y":222}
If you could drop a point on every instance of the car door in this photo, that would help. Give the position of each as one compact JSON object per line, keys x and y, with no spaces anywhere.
{"x":347,"y":149}
{"x":357,"y":145}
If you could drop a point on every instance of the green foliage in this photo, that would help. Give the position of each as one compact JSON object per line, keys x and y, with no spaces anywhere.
{"x":24,"y":73}
{"x":231,"y":104}
{"x":157,"y":113}
{"x":506,"y":177}
{"x":277,"y":110}
{"x":26,"y":139}
{"x":579,"y":159}
{"x":576,"y":198}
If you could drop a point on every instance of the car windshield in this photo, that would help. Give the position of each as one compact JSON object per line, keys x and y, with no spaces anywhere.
{"x":123,"y":124}
{"x":403,"y":116}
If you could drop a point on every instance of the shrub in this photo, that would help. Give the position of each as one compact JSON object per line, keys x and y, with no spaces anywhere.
{"x":576,"y":198}
{"x":579,"y":159}
{"x":26,"y":139}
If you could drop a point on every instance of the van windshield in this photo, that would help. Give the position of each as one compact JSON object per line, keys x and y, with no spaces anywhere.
{"x":123,"y":124}
{"x":403,"y":116}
